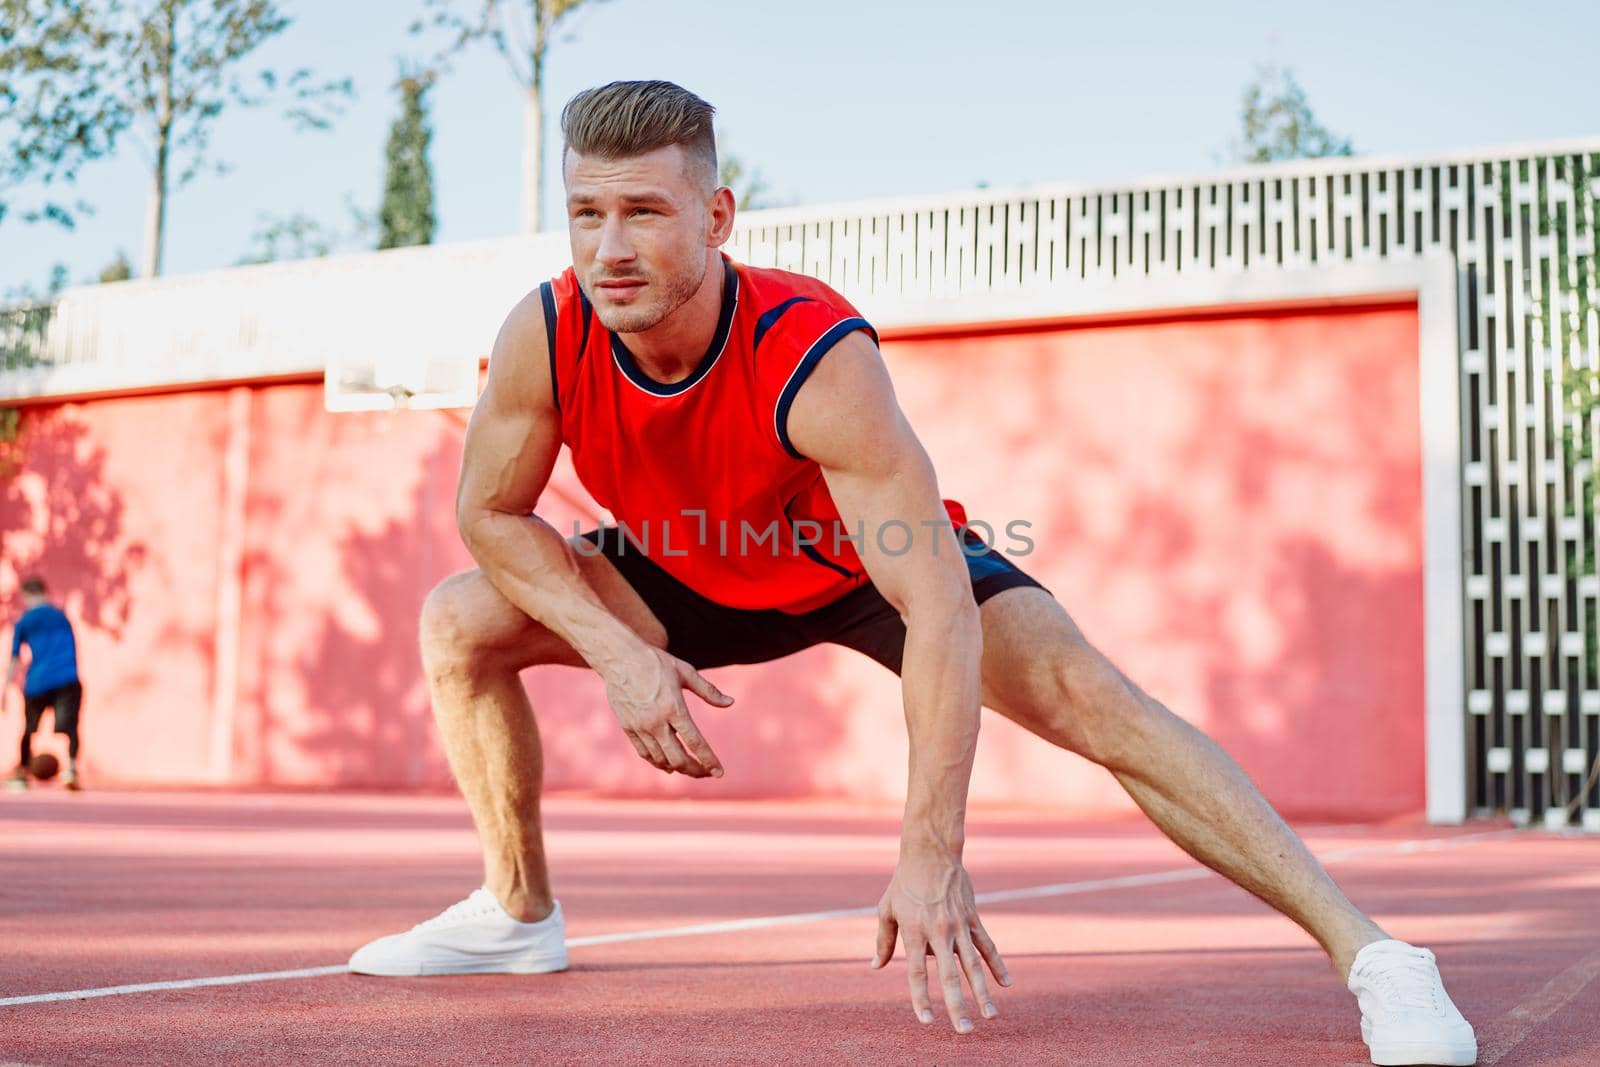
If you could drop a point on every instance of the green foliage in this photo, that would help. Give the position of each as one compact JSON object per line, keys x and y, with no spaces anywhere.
{"x":22,"y":333}
{"x":78,"y":78}
{"x":25,"y":293}
{"x":297,"y":236}
{"x":1566,"y":317}
{"x":25,"y":317}
{"x":406,"y":215}
{"x":519,"y":30}
{"x":750,"y":190}
{"x":302,"y":236}
{"x":118,"y":270}
{"x":1277,"y":122}
{"x":10,"y":443}
{"x":1578,"y":279}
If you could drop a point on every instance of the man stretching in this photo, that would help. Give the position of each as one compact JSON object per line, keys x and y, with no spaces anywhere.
{"x":741,"y":426}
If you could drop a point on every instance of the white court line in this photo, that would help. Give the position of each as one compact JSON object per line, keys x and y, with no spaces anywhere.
{"x":1507,"y":1033}
{"x":1058,"y":889}
{"x":181,"y":983}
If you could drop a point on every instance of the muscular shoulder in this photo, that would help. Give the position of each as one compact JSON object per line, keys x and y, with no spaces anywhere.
{"x":522,"y":334}
{"x":845,"y":415}
{"x":519,"y":363}
{"x":796,"y":324}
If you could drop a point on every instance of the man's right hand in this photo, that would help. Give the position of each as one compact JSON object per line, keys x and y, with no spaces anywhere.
{"x":646,"y":696}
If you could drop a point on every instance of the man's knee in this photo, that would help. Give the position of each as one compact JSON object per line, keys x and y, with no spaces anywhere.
{"x":469,"y":628}
{"x":445,"y":625}
{"x":1099,"y":713}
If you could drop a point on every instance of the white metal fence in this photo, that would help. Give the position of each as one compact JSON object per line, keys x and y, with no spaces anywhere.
{"x":1520,"y":224}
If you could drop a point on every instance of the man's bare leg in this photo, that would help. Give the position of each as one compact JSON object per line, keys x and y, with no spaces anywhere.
{"x":1201,"y":799}
{"x":492,"y":742}
{"x":1040,"y":672}
{"x":474,"y":643}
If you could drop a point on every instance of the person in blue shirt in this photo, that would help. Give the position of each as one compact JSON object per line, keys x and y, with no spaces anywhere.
{"x":52,"y":679}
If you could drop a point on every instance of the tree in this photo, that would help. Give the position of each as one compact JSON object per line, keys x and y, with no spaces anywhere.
{"x":77,"y":78}
{"x":302,"y":236}
{"x":1277,"y":122}
{"x":27,"y":294}
{"x":406,"y":215}
{"x":520,"y":30}
{"x":297,"y":236}
{"x":118,"y":270}
{"x":750,"y":191}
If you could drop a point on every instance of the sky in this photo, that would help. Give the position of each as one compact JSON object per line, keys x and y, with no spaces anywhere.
{"x":838,"y":100}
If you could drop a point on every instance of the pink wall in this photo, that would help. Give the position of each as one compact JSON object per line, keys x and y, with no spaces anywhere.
{"x":1229,"y":506}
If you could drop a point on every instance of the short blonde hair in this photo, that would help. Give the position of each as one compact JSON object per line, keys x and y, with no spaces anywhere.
{"x":630,"y":118}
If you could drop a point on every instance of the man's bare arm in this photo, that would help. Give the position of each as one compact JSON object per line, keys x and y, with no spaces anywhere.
{"x":511,"y":447}
{"x":846,"y":418}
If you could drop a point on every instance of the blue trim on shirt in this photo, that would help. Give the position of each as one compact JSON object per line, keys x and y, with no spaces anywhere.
{"x":811,"y":550}
{"x":547,"y":294}
{"x":822,"y":346}
{"x":719,"y":341}
{"x":588,"y":321}
{"x":770,"y":317}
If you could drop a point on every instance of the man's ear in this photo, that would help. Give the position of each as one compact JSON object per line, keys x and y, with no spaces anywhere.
{"x":721,"y":214}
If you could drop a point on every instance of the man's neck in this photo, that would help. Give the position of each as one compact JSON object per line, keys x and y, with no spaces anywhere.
{"x":673,"y":348}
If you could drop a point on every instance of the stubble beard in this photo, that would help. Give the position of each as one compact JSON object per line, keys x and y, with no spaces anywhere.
{"x":672,"y":292}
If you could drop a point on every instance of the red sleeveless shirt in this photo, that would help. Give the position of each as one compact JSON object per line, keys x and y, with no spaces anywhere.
{"x":701,"y":473}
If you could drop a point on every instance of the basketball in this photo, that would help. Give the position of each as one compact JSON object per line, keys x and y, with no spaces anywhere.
{"x":44,"y":766}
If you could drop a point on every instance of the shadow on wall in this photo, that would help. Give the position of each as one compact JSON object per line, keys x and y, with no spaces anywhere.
{"x":1231,"y":510}
{"x":1246,"y":557}
{"x":363,"y":681}
{"x":368,"y":720}
{"x":61,"y":519}
{"x":1345,"y":591}
{"x":1296,"y":683}
{"x":340,"y":527}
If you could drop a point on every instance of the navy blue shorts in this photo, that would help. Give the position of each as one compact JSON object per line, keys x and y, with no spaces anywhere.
{"x":706,"y":634}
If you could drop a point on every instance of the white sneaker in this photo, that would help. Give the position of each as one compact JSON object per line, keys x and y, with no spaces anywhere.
{"x":476,"y":936}
{"x":1406,"y":1016}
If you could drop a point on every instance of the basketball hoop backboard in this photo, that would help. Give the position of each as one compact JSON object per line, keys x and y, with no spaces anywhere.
{"x":388,"y":382}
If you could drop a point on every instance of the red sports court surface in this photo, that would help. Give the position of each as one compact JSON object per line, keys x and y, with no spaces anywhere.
{"x":709,"y":933}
